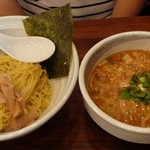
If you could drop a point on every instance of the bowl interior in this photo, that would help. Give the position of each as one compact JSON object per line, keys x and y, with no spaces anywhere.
{"x":113,"y":44}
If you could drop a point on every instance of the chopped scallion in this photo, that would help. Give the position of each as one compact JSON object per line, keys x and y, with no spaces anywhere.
{"x":138,"y":89}
{"x":146,"y":84}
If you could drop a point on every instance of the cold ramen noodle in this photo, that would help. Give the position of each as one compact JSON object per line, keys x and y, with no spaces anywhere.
{"x":24,"y":93}
{"x":120,"y":86}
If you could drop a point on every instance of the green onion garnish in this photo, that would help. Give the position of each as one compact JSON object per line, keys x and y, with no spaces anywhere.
{"x":138,"y":89}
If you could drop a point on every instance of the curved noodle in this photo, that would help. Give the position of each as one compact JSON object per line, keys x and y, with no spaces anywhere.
{"x":31,"y":88}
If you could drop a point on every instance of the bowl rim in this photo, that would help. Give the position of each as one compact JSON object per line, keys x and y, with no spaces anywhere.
{"x":88,"y":99}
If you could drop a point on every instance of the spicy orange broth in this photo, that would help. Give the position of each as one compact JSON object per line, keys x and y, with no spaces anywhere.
{"x":113,"y":74}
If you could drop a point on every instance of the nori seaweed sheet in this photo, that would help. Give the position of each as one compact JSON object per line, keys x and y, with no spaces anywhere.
{"x":56,"y":25}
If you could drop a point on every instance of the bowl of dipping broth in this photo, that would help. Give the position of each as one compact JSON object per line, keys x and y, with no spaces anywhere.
{"x":114,"y":78}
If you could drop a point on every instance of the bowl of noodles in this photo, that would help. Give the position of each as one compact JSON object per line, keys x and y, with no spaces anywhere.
{"x":115,"y":83}
{"x":28,"y":98}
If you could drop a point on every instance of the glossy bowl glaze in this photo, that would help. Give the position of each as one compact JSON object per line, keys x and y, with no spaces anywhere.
{"x":104,"y":48}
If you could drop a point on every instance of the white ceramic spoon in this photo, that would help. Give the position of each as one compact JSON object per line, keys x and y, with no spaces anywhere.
{"x":28,"y":49}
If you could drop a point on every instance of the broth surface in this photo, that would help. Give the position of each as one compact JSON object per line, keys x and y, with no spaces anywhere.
{"x":113,"y":74}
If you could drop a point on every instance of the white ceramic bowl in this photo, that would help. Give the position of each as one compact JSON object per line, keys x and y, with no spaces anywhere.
{"x":62,"y":87}
{"x":104,"y":48}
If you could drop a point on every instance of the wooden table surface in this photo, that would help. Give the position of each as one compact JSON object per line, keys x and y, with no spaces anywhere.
{"x":72,"y":128}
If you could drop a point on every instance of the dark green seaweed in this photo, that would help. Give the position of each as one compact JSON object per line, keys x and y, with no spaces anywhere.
{"x":56,"y":25}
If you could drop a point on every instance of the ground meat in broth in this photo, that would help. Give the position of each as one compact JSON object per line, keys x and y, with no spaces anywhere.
{"x":113,"y":74}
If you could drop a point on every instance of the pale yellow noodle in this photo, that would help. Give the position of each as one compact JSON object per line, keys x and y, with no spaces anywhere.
{"x":4,"y":116}
{"x":31,"y":81}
